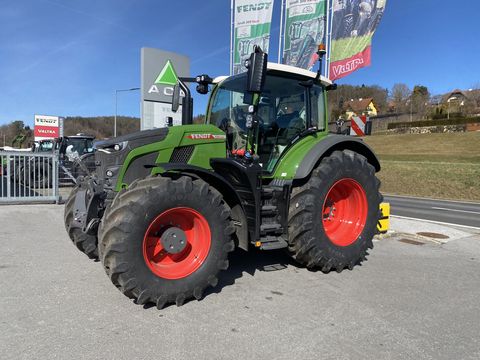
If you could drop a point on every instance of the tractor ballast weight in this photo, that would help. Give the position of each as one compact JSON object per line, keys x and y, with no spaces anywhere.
{"x":166,"y":206}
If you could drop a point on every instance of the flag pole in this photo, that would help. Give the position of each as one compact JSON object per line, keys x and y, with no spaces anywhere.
{"x":327,"y":37}
{"x":231,"y":35}
{"x":330,"y":30}
{"x":282,"y":35}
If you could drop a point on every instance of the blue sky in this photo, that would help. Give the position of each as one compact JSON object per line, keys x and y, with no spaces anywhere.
{"x":67,"y":57}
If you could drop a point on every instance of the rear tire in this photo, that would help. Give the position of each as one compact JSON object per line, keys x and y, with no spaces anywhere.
{"x":84,"y":242}
{"x":132,"y":252}
{"x":333,"y":215}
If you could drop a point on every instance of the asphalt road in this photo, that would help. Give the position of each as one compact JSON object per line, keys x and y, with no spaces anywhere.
{"x":453,"y":212}
{"x":406,"y":302}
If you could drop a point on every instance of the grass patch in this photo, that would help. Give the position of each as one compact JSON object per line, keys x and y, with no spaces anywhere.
{"x":430,"y":165}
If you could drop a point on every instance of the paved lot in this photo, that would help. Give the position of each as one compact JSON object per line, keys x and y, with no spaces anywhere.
{"x":406,"y":302}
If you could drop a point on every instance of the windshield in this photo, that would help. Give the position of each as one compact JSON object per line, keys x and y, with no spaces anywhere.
{"x":282,"y":114}
{"x":80,"y":146}
{"x":46,"y":146}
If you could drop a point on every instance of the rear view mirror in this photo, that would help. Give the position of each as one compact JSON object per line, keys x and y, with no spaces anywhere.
{"x":176,"y":98}
{"x":257,"y":70}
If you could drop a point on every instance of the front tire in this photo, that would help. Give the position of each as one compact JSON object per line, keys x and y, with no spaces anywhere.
{"x":84,"y":242}
{"x":333,"y":215}
{"x":132,"y":240}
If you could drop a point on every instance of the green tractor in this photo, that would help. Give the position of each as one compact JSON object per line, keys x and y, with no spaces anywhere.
{"x":165,"y":207}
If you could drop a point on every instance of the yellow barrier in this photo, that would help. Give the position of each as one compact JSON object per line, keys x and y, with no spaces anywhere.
{"x":384,"y":221}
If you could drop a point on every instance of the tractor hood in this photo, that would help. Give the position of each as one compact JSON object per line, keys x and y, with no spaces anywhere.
{"x":121,"y":160}
{"x":138,"y":138}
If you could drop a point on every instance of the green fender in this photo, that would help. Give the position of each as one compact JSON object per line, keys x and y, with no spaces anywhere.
{"x":301,"y":158}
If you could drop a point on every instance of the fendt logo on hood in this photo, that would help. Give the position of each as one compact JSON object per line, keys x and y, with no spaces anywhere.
{"x":168,"y":76}
{"x":206,"y":136}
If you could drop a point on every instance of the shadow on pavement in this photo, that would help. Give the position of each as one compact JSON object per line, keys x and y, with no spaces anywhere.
{"x":246,"y":262}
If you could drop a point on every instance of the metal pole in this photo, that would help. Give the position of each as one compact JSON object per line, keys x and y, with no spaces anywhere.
{"x":116,"y":104}
{"x":282,"y":29}
{"x":411,"y":109}
{"x":232,"y":34}
{"x":329,"y":37}
{"x":115,"y":118}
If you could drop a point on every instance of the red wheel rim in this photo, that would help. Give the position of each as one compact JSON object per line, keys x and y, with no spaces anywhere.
{"x":345,"y":212}
{"x":184,"y":263}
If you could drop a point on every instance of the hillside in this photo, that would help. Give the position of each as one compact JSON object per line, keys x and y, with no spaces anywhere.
{"x":101,"y":126}
{"x":429,"y":165}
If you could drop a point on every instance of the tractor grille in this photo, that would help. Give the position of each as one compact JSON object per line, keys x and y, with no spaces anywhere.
{"x":182,"y":154}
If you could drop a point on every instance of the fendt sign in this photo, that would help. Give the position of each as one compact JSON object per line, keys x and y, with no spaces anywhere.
{"x":47,"y":127}
{"x":160,"y":72}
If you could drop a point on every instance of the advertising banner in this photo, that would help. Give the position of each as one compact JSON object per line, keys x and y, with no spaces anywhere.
{"x":353,"y":25}
{"x":304,"y":30}
{"x":252,"y":21}
{"x":159,"y":74}
{"x":47,"y":127}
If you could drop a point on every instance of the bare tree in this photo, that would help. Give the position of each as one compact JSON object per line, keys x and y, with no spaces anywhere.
{"x":400,"y":94}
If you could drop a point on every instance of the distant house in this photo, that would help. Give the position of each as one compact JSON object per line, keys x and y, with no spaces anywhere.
{"x":360,"y":107}
{"x":462,"y":101}
{"x":457,"y":96}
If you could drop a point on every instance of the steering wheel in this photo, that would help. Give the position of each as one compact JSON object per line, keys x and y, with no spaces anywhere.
{"x":297,"y":124}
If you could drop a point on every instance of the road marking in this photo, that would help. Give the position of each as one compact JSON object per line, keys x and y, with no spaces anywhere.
{"x":436,"y":222}
{"x":432,"y":199}
{"x":463,"y":211}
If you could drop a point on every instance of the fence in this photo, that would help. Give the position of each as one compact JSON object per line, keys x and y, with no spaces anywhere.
{"x":28,"y":177}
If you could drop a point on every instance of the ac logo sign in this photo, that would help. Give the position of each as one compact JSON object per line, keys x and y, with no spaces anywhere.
{"x":168,"y":76}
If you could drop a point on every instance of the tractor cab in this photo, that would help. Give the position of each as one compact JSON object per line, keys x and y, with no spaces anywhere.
{"x":291,"y":105}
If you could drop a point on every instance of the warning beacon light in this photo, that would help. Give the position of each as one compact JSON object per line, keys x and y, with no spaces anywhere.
{"x":321,"y":51}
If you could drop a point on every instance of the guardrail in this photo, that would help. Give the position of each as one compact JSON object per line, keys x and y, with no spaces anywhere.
{"x":28,"y":177}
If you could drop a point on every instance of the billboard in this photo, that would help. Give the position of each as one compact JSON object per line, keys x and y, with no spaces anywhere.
{"x":353,"y":25}
{"x":159,"y":73}
{"x":47,"y":127}
{"x":305,"y":22}
{"x":252,"y":21}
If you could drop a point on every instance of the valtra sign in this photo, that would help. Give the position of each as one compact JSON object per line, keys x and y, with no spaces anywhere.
{"x":47,"y":127}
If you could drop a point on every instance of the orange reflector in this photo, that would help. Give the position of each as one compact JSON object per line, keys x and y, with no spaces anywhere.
{"x":258,"y":244}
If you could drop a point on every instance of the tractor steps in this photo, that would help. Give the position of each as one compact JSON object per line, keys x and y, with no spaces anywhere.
{"x":269,"y":210}
{"x":270,"y":228}
{"x":271,"y":231}
{"x":272,"y":243}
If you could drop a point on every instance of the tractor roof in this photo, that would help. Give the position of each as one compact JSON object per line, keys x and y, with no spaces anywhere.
{"x":278,"y":68}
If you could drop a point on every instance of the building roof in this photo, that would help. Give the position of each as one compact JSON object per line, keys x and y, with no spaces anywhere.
{"x":467,"y":94}
{"x":358,"y":104}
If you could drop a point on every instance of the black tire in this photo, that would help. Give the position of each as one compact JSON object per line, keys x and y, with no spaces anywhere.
{"x":122,"y":231}
{"x":40,"y":174}
{"x":84,"y":242}
{"x":308,"y":241}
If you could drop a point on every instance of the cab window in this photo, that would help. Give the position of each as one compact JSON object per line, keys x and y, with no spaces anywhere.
{"x":282,"y":114}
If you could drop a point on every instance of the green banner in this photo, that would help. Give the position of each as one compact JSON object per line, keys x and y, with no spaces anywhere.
{"x":304,"y":31}
{"x":252,"y":21}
